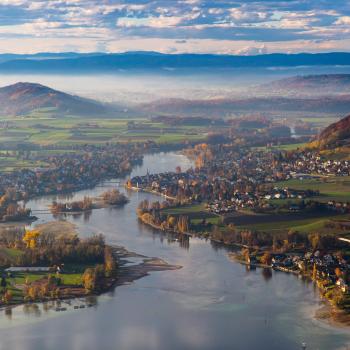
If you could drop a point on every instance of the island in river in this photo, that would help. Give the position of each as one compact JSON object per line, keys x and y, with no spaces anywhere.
{"x":51,"y":262}
{"x":112,"y":197}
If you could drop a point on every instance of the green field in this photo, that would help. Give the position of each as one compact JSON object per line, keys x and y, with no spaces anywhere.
{"x":331,"y":188}
{"x":42,"y":128}
{"x":287,"y":147}
{"x":196,"y":213}
{"x":310,"y":225}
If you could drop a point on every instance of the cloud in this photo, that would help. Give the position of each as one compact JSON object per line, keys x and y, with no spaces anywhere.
{"x":343,"y":20}
{"x":153,"y":22}
{"x":249,"y":25}
{"x":252,"y":50}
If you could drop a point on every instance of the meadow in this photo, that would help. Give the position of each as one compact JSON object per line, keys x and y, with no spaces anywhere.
{"x":43,"y":133}
{"x":331,"y":188}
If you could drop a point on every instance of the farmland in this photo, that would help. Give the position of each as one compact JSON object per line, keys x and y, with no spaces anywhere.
{"x":330,"y":188}
{"x":42,"y":134}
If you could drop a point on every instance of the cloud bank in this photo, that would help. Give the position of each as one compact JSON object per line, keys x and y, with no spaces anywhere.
{"x":211,"y":26}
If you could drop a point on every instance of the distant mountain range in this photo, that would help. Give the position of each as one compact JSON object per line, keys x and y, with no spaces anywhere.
{"x":94,"y":62}
{"x":339,"y":105}
{"x":5,"y":57}
{"x":327,"y":93}
{"x":24,"y":98}
{"x":309,"y":84}
{"x":282,"y":97}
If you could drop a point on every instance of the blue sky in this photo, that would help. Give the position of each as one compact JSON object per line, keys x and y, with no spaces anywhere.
{"x":174,"y":26}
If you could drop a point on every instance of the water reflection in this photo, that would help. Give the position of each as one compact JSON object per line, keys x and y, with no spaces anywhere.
{"x":211,"y":303}
{"x":266,"y":273}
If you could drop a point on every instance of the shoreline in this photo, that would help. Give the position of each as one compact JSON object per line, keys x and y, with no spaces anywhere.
{"x":327,"y":314}
{"x":98,"y":203}
{"x":146,"y":190}
{"x":159,"y":228}
{"x":127,"y":273}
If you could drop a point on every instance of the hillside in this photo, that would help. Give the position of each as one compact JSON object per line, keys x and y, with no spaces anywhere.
{"x":24,"y":98}
{"x":309,"y":84}
{"x":334,"y":136}
{"x":268,"y":105}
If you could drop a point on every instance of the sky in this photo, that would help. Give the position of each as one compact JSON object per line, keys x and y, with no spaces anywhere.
{"x":175,"y":26}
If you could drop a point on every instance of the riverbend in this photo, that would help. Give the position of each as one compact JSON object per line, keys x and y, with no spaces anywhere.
{"x":210,"y":303}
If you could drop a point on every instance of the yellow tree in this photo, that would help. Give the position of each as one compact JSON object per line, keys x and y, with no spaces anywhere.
{"x":31,"y":238}
{"x":7,"y":296}
{"x":89,"y":279}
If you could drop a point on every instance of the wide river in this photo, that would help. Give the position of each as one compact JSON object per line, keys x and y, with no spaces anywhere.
{"x":211,"y":303}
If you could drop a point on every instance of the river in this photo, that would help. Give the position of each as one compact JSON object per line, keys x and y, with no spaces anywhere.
{"x":211,"y":303}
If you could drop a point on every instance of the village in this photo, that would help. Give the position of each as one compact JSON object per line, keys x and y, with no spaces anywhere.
{"x":238,"y":186}
{"x":237,"y":178}
{"x":64,"y":172}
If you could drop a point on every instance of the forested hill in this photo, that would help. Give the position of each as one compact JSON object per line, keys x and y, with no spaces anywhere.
{"x":24,"y":98}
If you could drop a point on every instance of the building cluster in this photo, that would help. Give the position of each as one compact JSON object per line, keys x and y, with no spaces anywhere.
{"x":72,"y":171}
{"x":229,"y":178}
{"x":332,"y":270}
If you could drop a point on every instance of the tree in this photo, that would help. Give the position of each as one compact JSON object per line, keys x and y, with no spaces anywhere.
{"x":89,"y":279}
{"x":183,"y":224}
{"x":171,"y":221}
{"x":7,"y":296}
{"x":266,"y":258}
{"x":338,"y":272}
{"x":33,"y":292}
{"x":110,"y":264}
{"x":30,"y":238}
{"x":314,"y":272}
{"x":314,"y":240}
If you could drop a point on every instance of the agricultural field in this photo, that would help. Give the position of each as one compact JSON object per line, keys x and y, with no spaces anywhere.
{"x":284,"y":147}
{"x":69,"y":130}
{"x":196,"y":213}
{"x":313,"y":224}
{"x":331,"y":188}
{"x":44,"y":130}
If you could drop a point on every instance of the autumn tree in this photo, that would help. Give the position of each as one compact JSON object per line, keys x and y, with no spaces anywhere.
{"x":31,"y":238}
{"x":266,"y":259}
{"x":183,"y":224}
{"x":88,"y":279}
{"x":7,"y":297}
{"x":110,"y":264}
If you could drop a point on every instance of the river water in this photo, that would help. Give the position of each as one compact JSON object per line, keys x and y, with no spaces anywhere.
{"x":211,"y":303}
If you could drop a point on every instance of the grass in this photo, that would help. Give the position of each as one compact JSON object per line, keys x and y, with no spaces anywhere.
{"x":10,"y":253}
{"x":290,"y":147}
{"x":196,"y":214}
{"x":185,"y":210}
{"x":67,"y":278}
{"x":286,"y":147}
{"x":43,"y":128}
{"x":22,"y":277}
{"x":71,"y":279}
{"x":332,"y":188}
{"x":306,"y":226}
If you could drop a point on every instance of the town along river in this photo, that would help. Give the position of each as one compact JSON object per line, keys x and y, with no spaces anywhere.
{"x":211,"y":303}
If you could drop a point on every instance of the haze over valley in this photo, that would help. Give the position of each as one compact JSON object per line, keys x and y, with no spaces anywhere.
{"x":174,"y":174}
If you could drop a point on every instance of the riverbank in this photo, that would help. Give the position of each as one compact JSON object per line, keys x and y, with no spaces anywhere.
{"x":128,"y":271}
{"x":148,"y":190}
{"x":78,"y":207}
{"x":58,"y":265}
{"x":328,"y":313}
{"x":161,"y":228}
